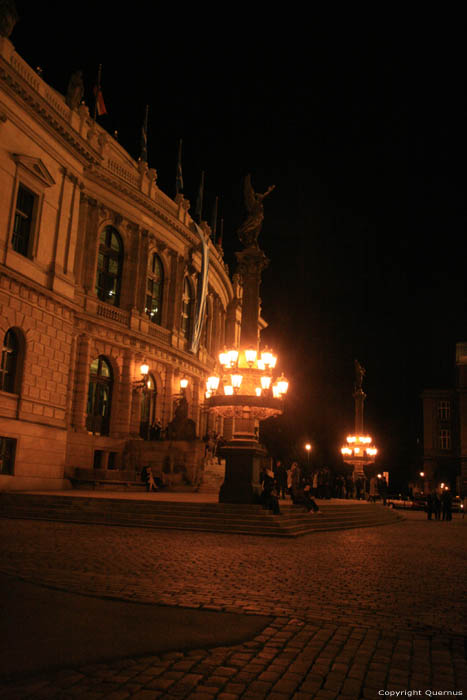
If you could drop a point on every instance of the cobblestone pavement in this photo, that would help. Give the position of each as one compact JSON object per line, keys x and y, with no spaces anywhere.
{"x":357,"y":613}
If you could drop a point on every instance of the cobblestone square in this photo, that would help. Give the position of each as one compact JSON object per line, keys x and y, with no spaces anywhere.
{"x":355,"y":613}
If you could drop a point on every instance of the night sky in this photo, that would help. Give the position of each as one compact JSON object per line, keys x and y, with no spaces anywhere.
{"x":360,"y":124}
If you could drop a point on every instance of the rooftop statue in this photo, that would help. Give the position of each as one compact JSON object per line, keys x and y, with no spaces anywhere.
{"x":75,"y":90}
{"x":249,"y":230}
{"x":8,"y":17}
{"x":359,"y":374}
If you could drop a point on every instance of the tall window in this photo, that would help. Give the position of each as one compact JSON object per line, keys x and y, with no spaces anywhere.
{"x":9,"y":363}
{"x":23,"y":222}
{"x":109,"y":266}
{"x":99,"y":396}
{"x":187,"y":309}
{"x":7,"y":455}
{"x":444,"y":410}
{"x":154,"y":287}
{"x":445,"y":439}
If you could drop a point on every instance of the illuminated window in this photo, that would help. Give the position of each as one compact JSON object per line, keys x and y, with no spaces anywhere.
{"x":9,"y":363}
{"x":109,"y":266}
{"x":444,"y":410}
{"x":7,"y":455}
{"x":187,"y":309}
{"x":26,"y":204}
{"x":445,"y":439}
{"x":99,"y":396}
{"x":154,"y":289}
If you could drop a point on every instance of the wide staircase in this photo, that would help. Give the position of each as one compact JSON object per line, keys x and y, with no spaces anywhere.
{"x":209,"y":517}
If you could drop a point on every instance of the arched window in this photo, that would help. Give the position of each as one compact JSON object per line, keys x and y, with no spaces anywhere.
{"x":109,"y":266}
{"x":99,"y":396}
{"x":9,"y":364}
{"x":154,"y":288}
{"x":187,"y":309}
{"x":148,"y":429}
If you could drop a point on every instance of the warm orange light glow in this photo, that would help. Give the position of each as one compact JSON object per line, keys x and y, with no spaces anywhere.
{"x":283,"y":384}
{"x":250,"y":355}
{"x":144,"y":369}
{"x":307,"y":447}
{"x":224,"y":359}
{"x":265,"y":381}
{"x":267,"y":357}
{"x":346,"y":451}
{"x":228,"y":390}
{"x":236,"y":380}
{"x":233,"y":357}
{"x":258,"y":391}
{"x":212,"y":383}
{"x":183,"y":383}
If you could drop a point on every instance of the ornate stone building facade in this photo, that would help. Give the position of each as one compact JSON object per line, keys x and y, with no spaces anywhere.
{"x":99,"y":273}
{"x":445,"y":431}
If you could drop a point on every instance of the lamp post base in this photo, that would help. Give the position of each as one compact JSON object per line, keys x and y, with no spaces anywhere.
{"x":242,"y":469}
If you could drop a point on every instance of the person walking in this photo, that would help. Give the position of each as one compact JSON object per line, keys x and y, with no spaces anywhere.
{"x":268,"y":495}
{"x":295,"y":479}
{"x":373,"y":489}
{"x":429,"y":506}
{"x":281,"y":478}
{"x":446,"y":500}
{"x":436,"y":505}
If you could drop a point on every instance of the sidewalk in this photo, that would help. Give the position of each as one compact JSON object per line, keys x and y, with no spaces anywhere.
{"x":349,"y":614}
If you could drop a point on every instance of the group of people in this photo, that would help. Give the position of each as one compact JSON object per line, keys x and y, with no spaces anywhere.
{"x":324,"y":484}
{"x":283,"y":482}
{"x":439,"y":505}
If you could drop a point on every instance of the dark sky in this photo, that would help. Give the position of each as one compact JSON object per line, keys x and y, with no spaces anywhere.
{"x":360,"y":124}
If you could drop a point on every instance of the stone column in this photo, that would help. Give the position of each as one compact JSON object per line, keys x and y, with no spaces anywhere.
{"x":81,"y":382}
{"x":359,"y":397}
{"x":251,"y":262}
{"x":122,"y":423}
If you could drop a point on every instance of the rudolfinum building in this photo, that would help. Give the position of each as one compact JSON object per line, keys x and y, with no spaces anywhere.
{"x":100,"y":283}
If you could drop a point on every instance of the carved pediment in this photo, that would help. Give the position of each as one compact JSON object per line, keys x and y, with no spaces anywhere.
{"x":35,"y":167}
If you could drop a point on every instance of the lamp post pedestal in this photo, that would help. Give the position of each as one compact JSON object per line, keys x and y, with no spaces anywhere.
{"x":242,"y":469}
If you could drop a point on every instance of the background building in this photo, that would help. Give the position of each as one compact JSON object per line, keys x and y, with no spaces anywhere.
{"x":99,"y":273}
{"x":445,"y":430}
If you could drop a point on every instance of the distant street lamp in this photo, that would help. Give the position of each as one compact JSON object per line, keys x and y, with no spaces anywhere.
{"x":308,"y":450}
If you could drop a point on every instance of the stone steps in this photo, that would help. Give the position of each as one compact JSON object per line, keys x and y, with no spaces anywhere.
{"x":207,"y":517}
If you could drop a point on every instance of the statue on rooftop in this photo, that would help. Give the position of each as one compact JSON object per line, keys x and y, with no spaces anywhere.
{"x":359,"y":374}
{"x":8,"y":17}
{"x":75,"y":90}
{"x":249,"y":230}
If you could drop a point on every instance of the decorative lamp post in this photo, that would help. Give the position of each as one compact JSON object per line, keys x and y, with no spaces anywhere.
{"x":359,"y":449}
{"x":246,"y":391}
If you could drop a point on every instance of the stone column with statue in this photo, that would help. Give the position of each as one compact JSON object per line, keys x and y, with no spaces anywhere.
{"x":244,"y":456}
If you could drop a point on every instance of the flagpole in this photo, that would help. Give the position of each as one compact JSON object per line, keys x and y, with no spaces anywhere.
{"x":144,"y":137}
{"x":179,"y":176}
{"x":199,"y":201}
{"x":99,"y":75}
{"x":214,"y":219}
{"x":221,"y":233}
